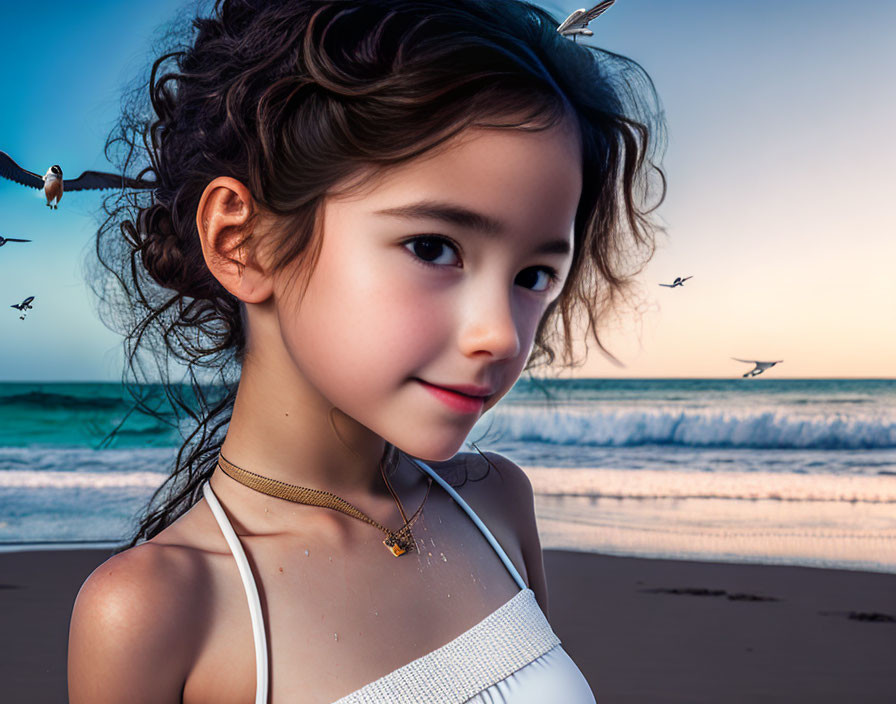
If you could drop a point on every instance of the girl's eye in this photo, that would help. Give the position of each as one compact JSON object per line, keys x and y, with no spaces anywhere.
{"x":538,"y":279}
{"x":435,"y":251}
{"x":431,"y":250}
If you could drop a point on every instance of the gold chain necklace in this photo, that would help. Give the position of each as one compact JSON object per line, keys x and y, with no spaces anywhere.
{"x":399,"y":541}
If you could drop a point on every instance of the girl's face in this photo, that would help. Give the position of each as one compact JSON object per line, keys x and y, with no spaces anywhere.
{"x":435,"y":276}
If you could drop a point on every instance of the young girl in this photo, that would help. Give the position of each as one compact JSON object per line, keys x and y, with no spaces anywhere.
{"x":371,"y":216}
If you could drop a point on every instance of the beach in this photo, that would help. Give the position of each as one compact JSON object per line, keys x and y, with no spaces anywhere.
{"x":705,"y":540}
{"x":792,"y":472}
{"x":641,"y":630}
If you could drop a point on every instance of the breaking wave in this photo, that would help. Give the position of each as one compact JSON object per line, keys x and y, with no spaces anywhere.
{"x":754,"y":428}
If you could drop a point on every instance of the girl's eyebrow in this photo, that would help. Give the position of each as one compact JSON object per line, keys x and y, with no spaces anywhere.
{"x":466,"y":218}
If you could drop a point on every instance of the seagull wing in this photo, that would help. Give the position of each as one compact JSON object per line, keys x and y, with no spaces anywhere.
{"x":579,"y":19}
{"x":668,"y":285}
{"x":11,"y":170}
{"x":569,"y":21}
{"x":748,"y":361}
{"x":97,"y":180}
{"x":686,"y":278}
{"x":13,"y":239}
{"x":596,"y":11}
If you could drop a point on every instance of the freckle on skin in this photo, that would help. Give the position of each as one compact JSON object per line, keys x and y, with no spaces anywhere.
{"x":281,"y":569}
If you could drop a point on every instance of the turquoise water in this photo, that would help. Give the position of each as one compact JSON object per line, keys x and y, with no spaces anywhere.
{"x":767,"y":470}
{"x":81,"y":415}
{"x":758,"y":413}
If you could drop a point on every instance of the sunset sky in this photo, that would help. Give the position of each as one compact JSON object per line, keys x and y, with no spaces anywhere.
{"x":779,"y":162}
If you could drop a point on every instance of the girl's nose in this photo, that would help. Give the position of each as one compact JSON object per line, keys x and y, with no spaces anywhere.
{"x":489,"y":326}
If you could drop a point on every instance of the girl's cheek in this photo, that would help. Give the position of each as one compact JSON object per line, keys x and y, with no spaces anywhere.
{"x":401,"y":318}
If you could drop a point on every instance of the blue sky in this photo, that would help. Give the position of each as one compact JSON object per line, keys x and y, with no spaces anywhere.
{"x":779,"y":164}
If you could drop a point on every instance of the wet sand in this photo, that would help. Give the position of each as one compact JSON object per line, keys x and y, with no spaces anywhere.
{"x":641,"y":630}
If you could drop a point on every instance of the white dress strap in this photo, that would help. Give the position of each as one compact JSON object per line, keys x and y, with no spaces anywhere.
{"x":479,"y":524}
{"x":261,"y":647}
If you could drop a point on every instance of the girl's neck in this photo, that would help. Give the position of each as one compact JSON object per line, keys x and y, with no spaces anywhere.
{"x":283,"y":429}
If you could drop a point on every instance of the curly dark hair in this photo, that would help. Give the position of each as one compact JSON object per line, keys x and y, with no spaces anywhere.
{"x":316,"y":91}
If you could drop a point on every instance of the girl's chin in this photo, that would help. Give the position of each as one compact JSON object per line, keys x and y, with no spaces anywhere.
{"x":431,"y":451}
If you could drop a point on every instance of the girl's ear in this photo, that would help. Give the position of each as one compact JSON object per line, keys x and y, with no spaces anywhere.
{"x":225,"y":223}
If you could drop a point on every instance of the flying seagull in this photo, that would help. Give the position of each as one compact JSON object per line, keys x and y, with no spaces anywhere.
{"x":52,"y":183}
{"x":4,"y":240}
{"x":577,"y":22}
{"x":24,"y":306}
{"x":760,"y":366}
{"x":678,"y":282}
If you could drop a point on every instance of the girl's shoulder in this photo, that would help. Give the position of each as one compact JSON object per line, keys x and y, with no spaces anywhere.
{"x":130,"y":585}
{"x":136,"y":620}
{"x":171,"y":569}
{"x":131,"y":626}
{"x":496,"y":474}
{"x":489,"y":481}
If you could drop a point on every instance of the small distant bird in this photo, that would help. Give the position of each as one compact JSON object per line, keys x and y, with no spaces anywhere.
{"x":24,"y":306}
{"x":678,"y":282}
{"x":577,"y":22}
{"x":4,"y":240}
{"x":760,"y":366}
{"x":52,"y":183}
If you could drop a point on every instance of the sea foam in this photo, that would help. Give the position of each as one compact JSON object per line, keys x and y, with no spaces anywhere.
{"x":749,"y":427}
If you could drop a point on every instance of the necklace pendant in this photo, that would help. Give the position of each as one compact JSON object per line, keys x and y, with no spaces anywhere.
{"x":396,"y":545}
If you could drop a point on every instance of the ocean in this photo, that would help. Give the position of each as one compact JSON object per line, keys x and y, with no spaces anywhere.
{"x":764,"y":470}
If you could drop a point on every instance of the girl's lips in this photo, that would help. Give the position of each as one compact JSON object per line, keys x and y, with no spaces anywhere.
{"x":460,"y":402}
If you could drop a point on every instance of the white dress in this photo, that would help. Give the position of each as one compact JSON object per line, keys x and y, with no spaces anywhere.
{"x":512,"y":656}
